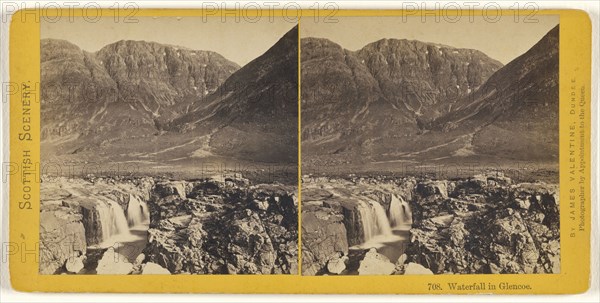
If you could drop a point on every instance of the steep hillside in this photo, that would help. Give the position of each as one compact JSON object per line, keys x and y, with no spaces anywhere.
{"x":127,"y":89}
{"x":373,"y":103}
{"x":163,"y":107}
{"x":254,"y":114}
{"x":515,"y":113}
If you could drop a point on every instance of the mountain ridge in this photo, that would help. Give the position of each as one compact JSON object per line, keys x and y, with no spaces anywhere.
{"x":140,"y":82}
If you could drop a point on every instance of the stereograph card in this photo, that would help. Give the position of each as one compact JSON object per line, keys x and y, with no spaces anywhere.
{"x":300,"y":151}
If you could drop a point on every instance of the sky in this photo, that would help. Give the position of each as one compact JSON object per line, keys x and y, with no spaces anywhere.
{"x":242,"y":41}
{"x":504,"y":40}
{"x":239,"y":42}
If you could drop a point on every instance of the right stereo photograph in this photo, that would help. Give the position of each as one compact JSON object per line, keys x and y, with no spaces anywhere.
{"x":430,"y":146}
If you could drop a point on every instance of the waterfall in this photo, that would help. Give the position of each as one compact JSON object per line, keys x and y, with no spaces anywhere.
{"x":400,"y":213}
{"x":373,"y":219}
{"x":112,"y":219}
{"x":137,"y":211}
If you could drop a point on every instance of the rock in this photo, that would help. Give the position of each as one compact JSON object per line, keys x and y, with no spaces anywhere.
{"x":443,"y":220}
{"x":61,"y":234}
{"x":375,"y":263}
{"x":164,"y":189}
{"x":220,"y":229}
{"x":74,"y":264}
{"x":416,"y":269}
{"x":337,"y":264}
{"x":402,"y":259}
{"x":523,"y":203}
{"x":139,"y":259}
{"x":433,"y":188}
{"x":262,"y":205}
{"x":113,"y":263}
{"x":323,"y":235}
{"x":497,"y":227}
{"x":154,"y":269}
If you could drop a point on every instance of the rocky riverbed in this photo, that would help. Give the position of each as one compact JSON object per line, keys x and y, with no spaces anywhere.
{"x":479,"y":225}
{"x":160,"y":226}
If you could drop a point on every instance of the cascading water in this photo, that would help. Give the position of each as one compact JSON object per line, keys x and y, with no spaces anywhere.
{"x":377,"y":227}
{"x":137,"y":212}
{"x":112,"y":219}
{"x":373,"y":219}
{"x":400,"y":212}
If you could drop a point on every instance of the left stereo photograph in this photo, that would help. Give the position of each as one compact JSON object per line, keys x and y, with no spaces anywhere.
{"x":169,"y":146}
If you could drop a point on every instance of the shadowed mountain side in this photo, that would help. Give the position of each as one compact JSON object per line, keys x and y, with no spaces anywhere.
{"x":515,"y":113}
{"x":254,"y":113}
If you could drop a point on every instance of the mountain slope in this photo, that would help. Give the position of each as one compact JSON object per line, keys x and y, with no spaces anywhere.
{"x":515,"y":113}
{"x":124,"y":90}
{"x":253,"y":115}
{"x":374,"y":102}
{"x":168,"y":108}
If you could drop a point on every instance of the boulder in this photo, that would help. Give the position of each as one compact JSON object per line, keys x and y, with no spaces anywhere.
{"x":337,"y":264}
{"x":74,"y":264}
{"x":113,"y":263}
{"x":262,"y":205}
{"x":61,"y":234}
{"x":416,"y":269}
{"x":402,"y":259}
{"x":375,"y":263}
{"x":430,"y":188}
{"x":154,"y":269}
{"x":323,"y":235}
{"x":522,"y":203}
{"x":169,"y":188}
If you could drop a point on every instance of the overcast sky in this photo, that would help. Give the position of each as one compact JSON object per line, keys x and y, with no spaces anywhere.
{"x":503,"y":40}
{"x":239,"y":42}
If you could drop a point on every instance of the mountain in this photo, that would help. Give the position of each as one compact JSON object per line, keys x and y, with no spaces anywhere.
{"x":125,"y":89}
{"x":167,"y":107}
{"x":373,"y":102}
{"x":515,"y":113}
{"x":255,"y":112}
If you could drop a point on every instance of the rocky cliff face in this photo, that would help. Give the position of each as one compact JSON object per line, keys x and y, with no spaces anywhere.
{"x":213,"y":227}
{"x":487,"y":224}
{"x":333,"y":217}
{"x":381,"y":93}
{"x":425,"y":78}
{"x":126,"y":89}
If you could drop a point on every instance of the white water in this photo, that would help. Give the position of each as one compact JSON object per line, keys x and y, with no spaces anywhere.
{"x":378,"y":228}
{"x":112,"y":220}
{"x":137,"y":212}
{"x":400,"y":212}
{"x":373,"y":219}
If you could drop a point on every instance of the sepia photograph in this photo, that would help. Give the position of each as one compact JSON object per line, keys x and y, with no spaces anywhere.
{"x":430,"y":147}
{"x":169,"y":146}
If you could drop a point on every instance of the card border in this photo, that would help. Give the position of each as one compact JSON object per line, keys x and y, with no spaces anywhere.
{"x":575,"y":63}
